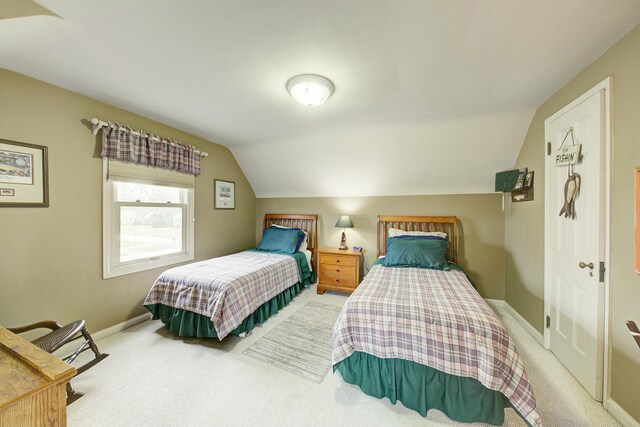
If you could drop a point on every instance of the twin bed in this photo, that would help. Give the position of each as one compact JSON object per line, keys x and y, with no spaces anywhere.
{"x":229,"y":295}
{"x":423,"y":336}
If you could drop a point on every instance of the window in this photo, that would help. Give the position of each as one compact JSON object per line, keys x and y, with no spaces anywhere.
{"x":147,"y":218}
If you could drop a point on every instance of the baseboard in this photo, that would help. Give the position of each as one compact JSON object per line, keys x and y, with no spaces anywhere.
{"x":521,"y":320}
{"x":69,"y":348}
{"x":120,"y":326}
{"x":495,"y":302}
{"x":620,"y":414}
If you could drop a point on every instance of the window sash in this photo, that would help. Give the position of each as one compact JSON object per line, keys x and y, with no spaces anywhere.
{"x":112,"y":267}
{"x":116,"y":245}
{"x":122,"y":197}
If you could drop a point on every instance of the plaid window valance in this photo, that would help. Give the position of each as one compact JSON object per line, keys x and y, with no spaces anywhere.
{"x":123,"y":143}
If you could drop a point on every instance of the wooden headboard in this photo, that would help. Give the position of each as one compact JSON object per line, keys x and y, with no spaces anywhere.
{"x":444,"y":224}
{"x":308,"y":223}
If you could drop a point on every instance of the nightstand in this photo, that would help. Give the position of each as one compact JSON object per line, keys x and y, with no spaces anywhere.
{"x":339,"y":270}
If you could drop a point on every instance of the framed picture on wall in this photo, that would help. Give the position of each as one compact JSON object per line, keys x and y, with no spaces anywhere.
{"x":520,"y":181}
{"x":636,"y":263}
{"x":528,"y":180}
{"x":24,"y":178}
{"x":224,"y":194}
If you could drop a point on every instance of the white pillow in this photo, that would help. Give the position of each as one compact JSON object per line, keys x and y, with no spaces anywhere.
{"x":304,"y":244}
{"x":394,"y":232}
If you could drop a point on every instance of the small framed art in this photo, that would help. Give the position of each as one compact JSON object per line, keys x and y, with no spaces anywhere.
{"x":528,"y":180}
{"x":636,"y":263}
{"x":224,"y":194}
{"x":521,"y":177}
{"x":24,"y":178}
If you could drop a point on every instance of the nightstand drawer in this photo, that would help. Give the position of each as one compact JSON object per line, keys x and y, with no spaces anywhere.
{"x":337,"y":271}
{"x":345,"y":260}
{"x":348,"y":281}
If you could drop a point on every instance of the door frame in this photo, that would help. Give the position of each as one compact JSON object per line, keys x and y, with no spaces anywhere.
{"x":605,"y":85}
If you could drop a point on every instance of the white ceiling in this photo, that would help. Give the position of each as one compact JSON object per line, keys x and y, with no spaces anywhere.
{"x":432,"y":96}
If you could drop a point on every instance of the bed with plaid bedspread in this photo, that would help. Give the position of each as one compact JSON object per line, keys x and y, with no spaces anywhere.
{"x":225,"y":289}
{"x":435,"y":318}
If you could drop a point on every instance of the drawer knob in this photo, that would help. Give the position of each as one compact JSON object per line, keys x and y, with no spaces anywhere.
{"x":337,"y":260}
{"x":337,"y":280}
{"x":337,"y":270}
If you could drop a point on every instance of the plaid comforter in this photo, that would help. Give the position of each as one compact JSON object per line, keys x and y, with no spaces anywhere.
{"x":225,"y":289}
{"x":435,"y":318}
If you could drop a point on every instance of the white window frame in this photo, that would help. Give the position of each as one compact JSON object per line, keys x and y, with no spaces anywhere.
{"x":112,"y":267}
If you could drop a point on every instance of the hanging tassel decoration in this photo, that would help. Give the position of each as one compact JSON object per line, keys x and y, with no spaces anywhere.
{"x":571,"y":189}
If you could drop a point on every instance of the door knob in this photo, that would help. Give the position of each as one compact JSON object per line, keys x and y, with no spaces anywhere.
{"x":583,"y":265}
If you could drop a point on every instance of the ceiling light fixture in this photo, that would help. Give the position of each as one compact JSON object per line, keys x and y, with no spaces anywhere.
{"x":310,"y":90}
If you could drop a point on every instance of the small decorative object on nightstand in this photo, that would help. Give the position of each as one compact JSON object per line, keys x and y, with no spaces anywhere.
{"x":345,"y":222}
{"x":340,"y":270}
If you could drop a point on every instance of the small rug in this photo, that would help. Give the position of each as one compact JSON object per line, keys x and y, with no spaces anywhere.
{"x":302,"y":344}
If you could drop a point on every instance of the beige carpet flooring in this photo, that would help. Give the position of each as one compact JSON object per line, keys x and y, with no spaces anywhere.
{"x":153,"y":378}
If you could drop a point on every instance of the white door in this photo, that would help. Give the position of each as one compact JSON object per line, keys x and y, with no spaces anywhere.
{"x":574,"y":248}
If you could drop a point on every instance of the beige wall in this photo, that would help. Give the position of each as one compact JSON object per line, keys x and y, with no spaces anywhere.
{"x":481,"y":239}
{"x":51,"y":258}
{"x":524,"y":223}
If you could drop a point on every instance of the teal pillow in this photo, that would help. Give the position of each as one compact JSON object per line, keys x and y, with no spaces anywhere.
{"x":416,"y":252}
{"x":280,"y":240}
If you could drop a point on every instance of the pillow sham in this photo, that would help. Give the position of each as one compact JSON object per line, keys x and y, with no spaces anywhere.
{"x":280,"y":240}
{"x":304,"y":239}
{"x":305,"y":242}
{"x":395,"y":232}
{"x":416,"y":237}
{"x":416,"y":252}
{"x":420,"y":237}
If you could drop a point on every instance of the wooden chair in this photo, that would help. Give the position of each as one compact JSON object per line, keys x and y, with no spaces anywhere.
{"x":61,"y":335}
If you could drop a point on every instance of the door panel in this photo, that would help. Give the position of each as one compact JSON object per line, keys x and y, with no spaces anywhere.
{"x":580,"y":339}
{"x":562,"y":323}
{"x":576,"y":298}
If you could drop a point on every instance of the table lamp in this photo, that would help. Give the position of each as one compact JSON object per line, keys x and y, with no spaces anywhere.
{"x":345,"y":222}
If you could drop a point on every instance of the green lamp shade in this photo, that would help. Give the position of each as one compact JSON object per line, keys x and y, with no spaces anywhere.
{"x":344,"y":222}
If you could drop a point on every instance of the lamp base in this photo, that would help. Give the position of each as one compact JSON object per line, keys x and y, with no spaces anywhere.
{"x":343,"y":242}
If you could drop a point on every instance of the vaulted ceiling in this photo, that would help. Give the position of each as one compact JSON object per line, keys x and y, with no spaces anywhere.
{"x":432,"y":96}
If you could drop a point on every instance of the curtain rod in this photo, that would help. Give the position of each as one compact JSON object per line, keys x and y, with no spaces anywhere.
{"x":99,"y":124}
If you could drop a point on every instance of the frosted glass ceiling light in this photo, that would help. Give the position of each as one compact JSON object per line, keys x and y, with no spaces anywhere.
{"x":310,"y":89}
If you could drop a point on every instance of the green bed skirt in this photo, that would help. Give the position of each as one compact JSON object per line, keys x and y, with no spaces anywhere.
{"x":421,"y":388}
{"x":189,"y":324}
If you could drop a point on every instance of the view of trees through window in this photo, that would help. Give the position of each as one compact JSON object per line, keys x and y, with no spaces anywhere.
{"x":135,"y":192}
{"x":148,"y":229}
